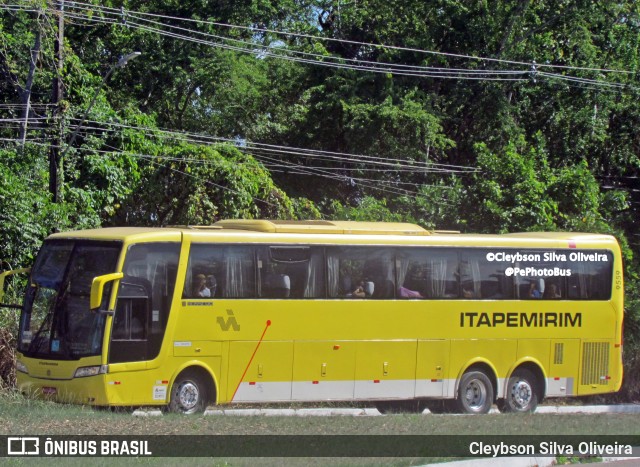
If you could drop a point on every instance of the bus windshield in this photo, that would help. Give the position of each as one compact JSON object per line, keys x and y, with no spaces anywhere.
{"x":56,"y":321}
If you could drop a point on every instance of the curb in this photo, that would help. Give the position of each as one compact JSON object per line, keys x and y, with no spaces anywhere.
{"x":371,"y":412}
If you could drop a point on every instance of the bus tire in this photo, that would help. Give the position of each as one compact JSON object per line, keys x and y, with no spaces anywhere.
{"x":189,"y":393}
{"x":475,"y":393}
{"x":522,"y":393}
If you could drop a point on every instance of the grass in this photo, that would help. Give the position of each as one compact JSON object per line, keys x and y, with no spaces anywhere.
{"x":22,"y":416}
{"x":19,"y":415}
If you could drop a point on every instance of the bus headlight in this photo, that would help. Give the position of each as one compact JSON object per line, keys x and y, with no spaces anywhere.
{"x":84,"y":371}
{"x":21,"y":367}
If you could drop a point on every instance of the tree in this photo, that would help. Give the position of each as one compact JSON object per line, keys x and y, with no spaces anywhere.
{"x":194,"y":184}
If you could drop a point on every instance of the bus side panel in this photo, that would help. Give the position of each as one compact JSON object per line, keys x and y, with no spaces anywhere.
{"x":564,"y":361}
{"x":324,"y":370}
{"x":259,"y":371}
{"x":431,"y":368}
{"x":386,"y":370}
{"x":495,"y":352}
{"x":151,"y":386}
{"x":536,"y":352}
{"x":598,"y":359}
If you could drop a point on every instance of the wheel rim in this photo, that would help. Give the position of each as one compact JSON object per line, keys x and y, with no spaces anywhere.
{"x":475,"y":395}
{"x":188,"y":396}
{"x":521,"y":394}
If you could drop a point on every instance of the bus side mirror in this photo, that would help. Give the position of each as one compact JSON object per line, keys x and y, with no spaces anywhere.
{"x":2,"y":278}
{"x":97,"y":289}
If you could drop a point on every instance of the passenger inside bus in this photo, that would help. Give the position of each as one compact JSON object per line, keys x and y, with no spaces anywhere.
{"x":552,"y":292}
{"x":276,"y":286}
{"x":403,"y":292}
{"x":364,"y":289}
{"x":212,"y":285}
{"x":200,"y":289}
{"x":468,"y":292}
{"x":536,"y":289}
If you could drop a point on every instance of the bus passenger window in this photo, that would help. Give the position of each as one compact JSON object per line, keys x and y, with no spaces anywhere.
{"x":590,"y":278}
{"x":360,"y":272}
{"x":226,"y":271}
{"x":427,"y":273}
{"x":552,"y":292}
{"x":483,"y":278}
{"x":291,"y":271}
{"x":276,"y":286}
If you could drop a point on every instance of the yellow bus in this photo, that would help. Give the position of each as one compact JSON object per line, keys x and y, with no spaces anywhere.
{"x":272,"y":311}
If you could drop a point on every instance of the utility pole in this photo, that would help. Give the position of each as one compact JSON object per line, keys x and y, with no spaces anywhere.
{"x":57,"y":96}
{"x":122,"y":62}
{"x":26,"y":93}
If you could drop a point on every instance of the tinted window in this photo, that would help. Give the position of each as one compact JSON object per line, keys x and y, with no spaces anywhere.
{"x":56,"y":320}
{"x":144,"y":301}
{"x":427,"y":273}
{"x":591,"y":273}
{"x":549,"y":274}
{"x":226,"y":271}
{"x":360,"y":272}
{"x":291,"y":272}
{"x":480,"y":278}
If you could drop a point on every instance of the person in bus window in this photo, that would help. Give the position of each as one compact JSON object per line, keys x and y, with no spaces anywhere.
{"x":467,"y":292}
{"x":552,"y":292}
{"x":365,"y":289}
{"x":200,"y":289}
{"x":403,"y":292}
{"x":534,"y":290}
{"x":212,"y":285}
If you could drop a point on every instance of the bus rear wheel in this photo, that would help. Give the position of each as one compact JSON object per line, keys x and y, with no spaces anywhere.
{"x":475,"y":393}
{"x":522,"y":393}
{"x":189,"y":394}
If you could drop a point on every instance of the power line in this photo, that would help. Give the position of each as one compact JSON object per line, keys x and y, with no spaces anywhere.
{"x":305,"y":170}
{"x":128,"y":13}
{"x":151,"y":159}
{"x":289,"y":150}
{"x":328,"y":60}
{"x":353,"y":64}
{"x":298,"y":170}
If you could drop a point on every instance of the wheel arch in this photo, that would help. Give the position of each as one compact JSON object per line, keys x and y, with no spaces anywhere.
{"x":202,"y":369}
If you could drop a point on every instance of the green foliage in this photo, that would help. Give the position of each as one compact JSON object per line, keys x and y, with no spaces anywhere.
{"x":511,"y":190}
{"x":544,"y":153}
{"x":518,"y":190}
{"x":26,"y":212}
{"x":369,"y":209}
{"x":189,"y":184}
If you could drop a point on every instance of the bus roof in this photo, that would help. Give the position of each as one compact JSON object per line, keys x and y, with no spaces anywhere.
{"x":322,"y":226}
{"x":319,"y":231}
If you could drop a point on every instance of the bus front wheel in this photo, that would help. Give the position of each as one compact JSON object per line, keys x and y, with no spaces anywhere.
{"x":522,"y":393}
{"x":475,"y":393}
{"x":188,"y":394}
